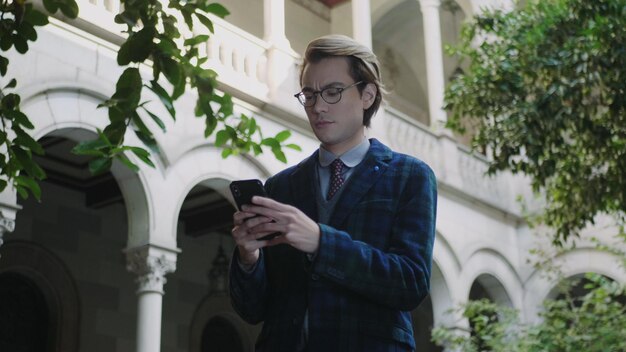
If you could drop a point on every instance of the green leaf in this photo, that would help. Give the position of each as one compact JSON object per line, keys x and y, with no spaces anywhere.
{"x":217,"y":9}
{"x":128,"y":89}
{"x":127,"y":17}
{"x":3,"y":185}
{"x":168,"y":47}
{"x":51,"y":6}
{"x":148,"y":140}
{"x":6,"y":42}
{"x":19,"y":118}
{"x":27,"y":31}
{"x":95,"y":147}
{"x":143,"y":155}
{"x":279,"y":155}
{"x":140,"y":125}
{"x":199,"y":39}
{"x":211,"y":124}
{"x":206,"y":22}
{"x":138,"y":46}
{"x":282,"y":136}
{"x":24,"y":139}
{"x":164,"y":97}
{"x":11,"y":101}
{"x":69,"y":8}
{"x":173,"y":72}
{"x":156,"y":119}
{"x":36,"y":17}
{"x":170,"y":26}
{"x":99,"y":166}
{"x":271,"y":142}
{"x":121,"y":157}
{"x":26,"y":161}
{"x":114,"y":132}
{"x":4,"y":62}
{"x":226,"y":152}
{"x":11,"y":84}
{"x":221,"y":138}
{"x":31,"y":184}
{"x":294,"y":147}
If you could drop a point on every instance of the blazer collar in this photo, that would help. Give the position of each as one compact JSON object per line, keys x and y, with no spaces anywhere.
{"x":365,"y":175}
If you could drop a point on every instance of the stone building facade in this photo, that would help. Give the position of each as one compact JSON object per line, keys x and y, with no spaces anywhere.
{"x":135,"y":261}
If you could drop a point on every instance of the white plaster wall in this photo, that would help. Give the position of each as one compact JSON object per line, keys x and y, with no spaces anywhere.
{"x":302,"y":26}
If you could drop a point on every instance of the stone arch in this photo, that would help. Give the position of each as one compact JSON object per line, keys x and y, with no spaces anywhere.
{"x":403,"y":66}
{"x":497,"y":275}
{"x":398,"y":40}
{"x":198,"y":166}
{"x":572,"y":263}
{"x":53,"y":279}
{"x":72,"y":113}
{"x":494,"y":288}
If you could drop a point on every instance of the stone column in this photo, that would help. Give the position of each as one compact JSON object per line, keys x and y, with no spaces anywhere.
{"x":281,"y":64}
{"x":151,"y":263}
{"x":274,"y":23}
{"x":362,"y":22}
{"x":434,"y":62}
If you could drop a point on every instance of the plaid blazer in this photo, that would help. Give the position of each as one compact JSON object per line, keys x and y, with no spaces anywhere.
{"x":372,"y":268}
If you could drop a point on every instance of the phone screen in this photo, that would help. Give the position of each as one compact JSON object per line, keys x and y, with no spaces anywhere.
{"x":243,"y":191}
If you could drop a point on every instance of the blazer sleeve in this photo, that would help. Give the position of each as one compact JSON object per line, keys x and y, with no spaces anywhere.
{"x":248,"y":290}
{"x":399,"y":276}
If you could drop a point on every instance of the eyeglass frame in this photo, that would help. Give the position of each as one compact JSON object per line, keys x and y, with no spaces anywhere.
{"x":317,"y":93}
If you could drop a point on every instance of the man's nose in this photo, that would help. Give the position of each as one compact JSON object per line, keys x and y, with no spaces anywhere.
{"x":320,"y":105}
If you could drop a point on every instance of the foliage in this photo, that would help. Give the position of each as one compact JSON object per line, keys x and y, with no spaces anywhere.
{"x":545,"y":89}
{"x":595,"y":322}
{"x":153,"y":36}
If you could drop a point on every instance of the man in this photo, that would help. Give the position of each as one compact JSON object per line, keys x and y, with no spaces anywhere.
{"x":355,"y":250}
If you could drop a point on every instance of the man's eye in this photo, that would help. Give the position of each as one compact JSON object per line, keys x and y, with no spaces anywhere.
{"x":332,"y":92}
{"x":308,"y":96}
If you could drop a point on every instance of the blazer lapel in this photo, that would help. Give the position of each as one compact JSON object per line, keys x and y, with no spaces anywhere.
{"x":303,"y":187}
{"x":364,"y":177}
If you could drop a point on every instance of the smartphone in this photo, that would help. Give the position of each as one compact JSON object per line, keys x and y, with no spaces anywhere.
{"x":243,"y":191}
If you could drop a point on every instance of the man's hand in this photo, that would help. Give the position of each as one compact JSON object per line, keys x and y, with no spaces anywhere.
{"x":247,"y":243}
{"x":298,"y":230}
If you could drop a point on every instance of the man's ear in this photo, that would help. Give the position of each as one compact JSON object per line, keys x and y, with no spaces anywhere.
{"x":368,"y":96}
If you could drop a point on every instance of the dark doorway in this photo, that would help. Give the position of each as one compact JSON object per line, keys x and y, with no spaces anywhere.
{"x":24,"y":315}
{"x":219,"y":335}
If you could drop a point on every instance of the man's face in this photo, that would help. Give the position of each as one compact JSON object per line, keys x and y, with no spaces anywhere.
{"x":339,"y":126}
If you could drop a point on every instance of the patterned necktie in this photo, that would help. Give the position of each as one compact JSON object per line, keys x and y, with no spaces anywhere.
{"x":336,"y":179}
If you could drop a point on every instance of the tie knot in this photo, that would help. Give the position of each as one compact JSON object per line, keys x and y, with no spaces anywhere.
{"x":336,"y":167}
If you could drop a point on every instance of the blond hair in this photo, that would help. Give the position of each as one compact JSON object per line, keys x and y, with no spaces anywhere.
{"x":364,"y":65}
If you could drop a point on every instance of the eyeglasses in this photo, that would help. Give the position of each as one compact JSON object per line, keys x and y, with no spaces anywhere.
{"x":331,"y":95}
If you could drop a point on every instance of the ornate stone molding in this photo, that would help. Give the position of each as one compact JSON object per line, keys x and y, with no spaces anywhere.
{"x":7,"y":221}
{"x":151,"y":264}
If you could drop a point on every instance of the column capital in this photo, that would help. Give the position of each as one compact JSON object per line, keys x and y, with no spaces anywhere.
{"x":151,"y":263}
{"x":8,"y":211}
{"x":6,"y":224}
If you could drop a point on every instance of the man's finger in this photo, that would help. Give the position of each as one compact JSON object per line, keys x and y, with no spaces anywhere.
{"x":269,"y":203}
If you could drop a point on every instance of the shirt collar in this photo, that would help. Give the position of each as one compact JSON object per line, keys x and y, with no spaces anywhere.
{"x":351,"y":158}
